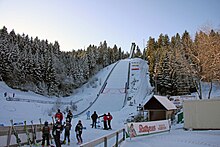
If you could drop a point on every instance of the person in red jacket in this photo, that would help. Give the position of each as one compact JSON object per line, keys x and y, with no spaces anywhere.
{"x":109,"y":118}
{"x":59,"y":115}
{"x":104,"y":121}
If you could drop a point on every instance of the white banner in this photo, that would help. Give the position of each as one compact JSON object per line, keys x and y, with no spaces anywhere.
{"x":143,"y":128}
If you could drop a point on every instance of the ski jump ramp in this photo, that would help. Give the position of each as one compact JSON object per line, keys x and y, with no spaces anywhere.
{"x":113,"y":94}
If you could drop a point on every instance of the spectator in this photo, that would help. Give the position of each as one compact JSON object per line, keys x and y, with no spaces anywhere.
{"x":88,"y":114}
{"x":67,"y":127}
{"x":59,"y":115}
{"x":104,"y":121}
{"x":109,"y":118}
{"x":45,"y":134}
{"x":94,"y":119}
{"x":69,"y":116}
{"x":57,"y":131}
{"x":78,"y":130}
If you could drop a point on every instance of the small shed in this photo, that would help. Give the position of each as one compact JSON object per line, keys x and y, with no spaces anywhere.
{"x":159,"y":108}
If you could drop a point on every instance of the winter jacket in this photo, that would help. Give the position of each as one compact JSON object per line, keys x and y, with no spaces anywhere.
{"x":59,"y":115}
{"x":109,"y":117}
{"x":46,"y":130}
{"x":70,"y":115}
{"x":105,"y":118}
{"x":78,"y":128}
{"x":94,"y":116}
{"x":67,"y":126}
{"x":57,"y":129}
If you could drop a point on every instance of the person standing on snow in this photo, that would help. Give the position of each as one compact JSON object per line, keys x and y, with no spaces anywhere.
{"x":109,"y":118}
{"x":104,"y":121}
{"x":78,"y":130}
{"x":45,"y":134}
{"x":88,"y":114}
{"x":59,"y":115}
{"x":57,"y":131}
{"x":67,"y":127}
{"x":94,"y":119}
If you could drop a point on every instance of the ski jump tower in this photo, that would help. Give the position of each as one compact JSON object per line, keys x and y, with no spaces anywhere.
{"x":133,"y":45}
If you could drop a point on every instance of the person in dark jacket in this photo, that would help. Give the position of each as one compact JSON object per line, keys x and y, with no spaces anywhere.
{"x":67,"y":127}
{"x":57,"y":131}
{"x":94,"y":119}
{"x":69,"y":115}
{"x":45,"y":134}
{"x":78,"y":130}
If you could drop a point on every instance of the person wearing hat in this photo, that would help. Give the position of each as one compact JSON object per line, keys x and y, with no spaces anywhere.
{"x":57,"y":131}
{"x":78,"y":130}
{"x":45,"y":134}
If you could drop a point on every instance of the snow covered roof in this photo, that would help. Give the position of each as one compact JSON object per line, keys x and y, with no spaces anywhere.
{"x":159,"y":102}
{"x":165,"y":102}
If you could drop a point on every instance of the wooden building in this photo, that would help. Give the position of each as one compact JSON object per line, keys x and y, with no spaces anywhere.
{"x":159,"y":108}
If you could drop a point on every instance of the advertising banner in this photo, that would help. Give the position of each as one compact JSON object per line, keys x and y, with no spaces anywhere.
{"x":134,"y":129}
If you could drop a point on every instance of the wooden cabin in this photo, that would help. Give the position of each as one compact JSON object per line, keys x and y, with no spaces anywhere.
{"x":159,"y":108}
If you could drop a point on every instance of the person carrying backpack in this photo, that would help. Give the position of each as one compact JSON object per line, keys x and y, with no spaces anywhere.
{"x":67,"y":127}
{"x":59,"y":115}
{"x":45,"y":134}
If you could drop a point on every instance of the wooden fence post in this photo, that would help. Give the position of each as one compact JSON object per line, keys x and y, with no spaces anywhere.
{"x":123,"y":134}
{"x":105,"y":141}
{"x":116,"y":144}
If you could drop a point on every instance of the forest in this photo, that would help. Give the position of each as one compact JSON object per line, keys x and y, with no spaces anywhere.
{"x":177,"y":66}
{"x":28,"y":63}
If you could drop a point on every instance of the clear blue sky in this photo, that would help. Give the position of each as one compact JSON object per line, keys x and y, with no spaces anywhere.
{"x":77,"y":23}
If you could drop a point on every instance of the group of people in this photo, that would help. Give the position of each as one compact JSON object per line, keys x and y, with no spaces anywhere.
{"x":106,"y":120}
{"x":59,"y":127}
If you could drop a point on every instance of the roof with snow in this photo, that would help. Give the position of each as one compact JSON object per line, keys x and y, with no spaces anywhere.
{"x":159,"y":102}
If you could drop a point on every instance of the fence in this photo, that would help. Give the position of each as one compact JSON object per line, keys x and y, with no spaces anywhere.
{"x":106,"y":138}
{"x":8,"y":139}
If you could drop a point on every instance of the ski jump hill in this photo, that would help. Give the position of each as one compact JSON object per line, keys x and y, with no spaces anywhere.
{"x":127,"y":83}
{"x":112,"y":96}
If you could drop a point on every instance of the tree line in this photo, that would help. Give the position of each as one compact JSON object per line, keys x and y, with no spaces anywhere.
{"x":178,"y":65}
{"x":28,"y":63}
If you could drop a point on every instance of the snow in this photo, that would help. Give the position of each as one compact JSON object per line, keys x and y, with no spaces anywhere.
{"x":111,"y":100}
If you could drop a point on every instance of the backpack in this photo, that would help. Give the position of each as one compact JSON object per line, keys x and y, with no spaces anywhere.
{"x":46,"y":130}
